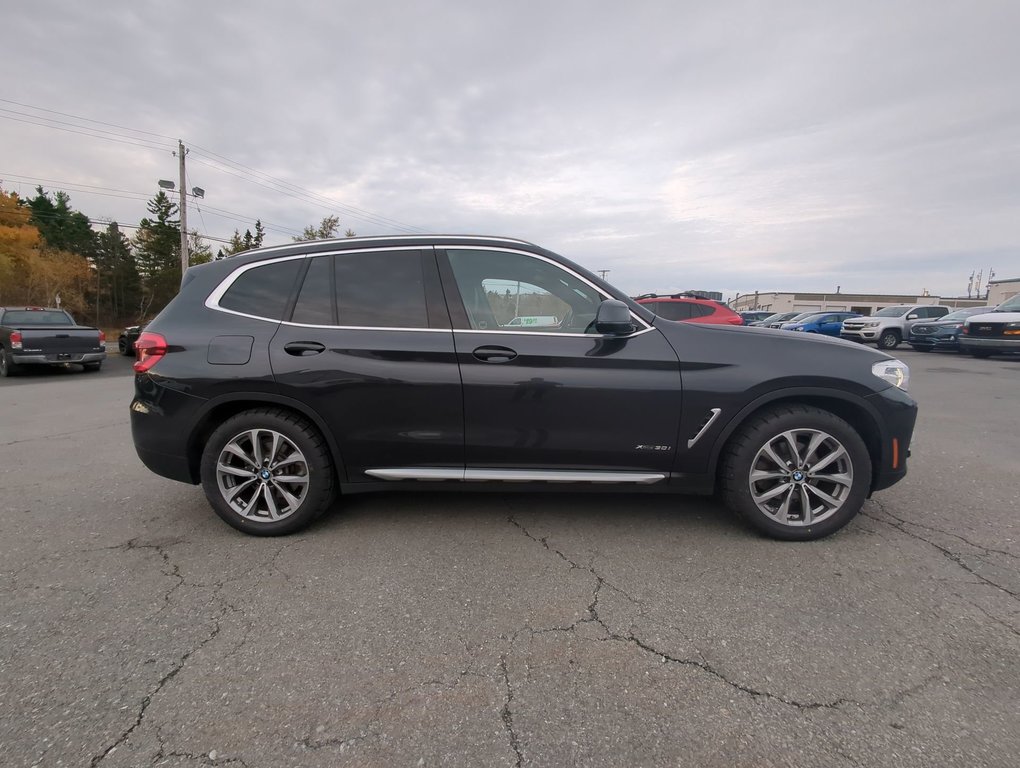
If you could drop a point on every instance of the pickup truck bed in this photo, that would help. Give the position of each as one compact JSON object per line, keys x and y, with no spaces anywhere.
{"x":36,"y":336}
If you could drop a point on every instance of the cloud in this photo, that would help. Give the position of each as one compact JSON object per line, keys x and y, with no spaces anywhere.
{"x":736,"y":145}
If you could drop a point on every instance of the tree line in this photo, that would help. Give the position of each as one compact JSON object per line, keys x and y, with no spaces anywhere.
{"x":50,"y":253}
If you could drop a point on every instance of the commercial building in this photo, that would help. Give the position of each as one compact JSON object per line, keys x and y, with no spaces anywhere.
{"x":865,"y":303}
{"x":1000,"y":290}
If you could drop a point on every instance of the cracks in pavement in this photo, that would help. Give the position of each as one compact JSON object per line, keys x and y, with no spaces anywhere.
{"x":507,"y":715}
{"x":630,"y":638}
{"x":210,"y":758}
{"x":160,"y":685}
{"x":901,"y":524}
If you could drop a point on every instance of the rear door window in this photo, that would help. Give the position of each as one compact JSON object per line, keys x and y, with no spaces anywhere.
{"x":675,"y":310}
{"x":381,"y":289}
{"x":315,"y":304}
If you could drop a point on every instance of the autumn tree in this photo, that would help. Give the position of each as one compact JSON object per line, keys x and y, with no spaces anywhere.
{"x":31,"y":270}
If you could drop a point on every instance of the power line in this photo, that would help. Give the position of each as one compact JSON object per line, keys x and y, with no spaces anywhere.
{"x":83,"y":133}
{"x":133,"y":195}
{"x":87,"y":119}
{"x":280,"y":185}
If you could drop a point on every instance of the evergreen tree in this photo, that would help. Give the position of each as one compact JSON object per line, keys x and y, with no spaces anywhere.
{"x":119,"y":285}
{"x":158,"y":253}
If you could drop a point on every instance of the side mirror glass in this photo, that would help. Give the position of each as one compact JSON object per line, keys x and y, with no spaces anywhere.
{"x":912,"y":316}
{"x":613,"y":318}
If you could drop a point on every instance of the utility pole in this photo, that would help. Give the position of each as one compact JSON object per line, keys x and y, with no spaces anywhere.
{"x":603,"y":273}
{"x":184,"y":210}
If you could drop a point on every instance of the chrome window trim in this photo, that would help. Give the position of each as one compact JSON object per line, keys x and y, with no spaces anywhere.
{"x":377,"y":238}
{"x":589,"y":283}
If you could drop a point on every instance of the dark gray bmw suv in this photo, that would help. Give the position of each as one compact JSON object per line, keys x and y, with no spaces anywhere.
{"x":284,"y":376}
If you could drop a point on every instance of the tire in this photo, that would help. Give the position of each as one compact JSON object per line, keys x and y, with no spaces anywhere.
{"x":305,"y":455}
{"x":123,"y":347}
{"x":746,"y":451}
{"x":889,"y":340}
{"x":89,"y":367}
{"x":7,"y":367}
{"x":981,"y":354}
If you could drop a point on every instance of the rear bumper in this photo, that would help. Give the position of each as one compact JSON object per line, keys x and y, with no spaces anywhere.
{"x":161,"y":422}
{"x":57,"y":358}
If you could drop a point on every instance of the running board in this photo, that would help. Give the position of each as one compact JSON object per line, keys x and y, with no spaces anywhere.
{"x":515,"y":475}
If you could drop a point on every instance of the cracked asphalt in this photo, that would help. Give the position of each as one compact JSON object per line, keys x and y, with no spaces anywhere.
{"x":521,"y":630}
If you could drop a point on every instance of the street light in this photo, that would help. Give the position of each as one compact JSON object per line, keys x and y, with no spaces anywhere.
{"x":164,"y":184}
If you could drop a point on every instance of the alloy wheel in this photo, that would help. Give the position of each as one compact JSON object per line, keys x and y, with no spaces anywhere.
{"x":801,"y":477}
{"x":262,"y":475}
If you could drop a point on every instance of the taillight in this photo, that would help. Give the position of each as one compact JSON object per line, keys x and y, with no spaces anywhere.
{"x":15,"y":339}
{"x":149,"y":348}
{"x":102,"y":338}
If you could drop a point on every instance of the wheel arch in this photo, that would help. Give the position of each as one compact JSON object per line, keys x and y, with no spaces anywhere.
{"x":219,"y":409}
{"x":854,"y":410}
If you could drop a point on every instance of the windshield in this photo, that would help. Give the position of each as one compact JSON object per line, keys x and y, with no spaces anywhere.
{"x":891,"y":312}
{"x":963,"y":314}
{"x":1009,"y":305}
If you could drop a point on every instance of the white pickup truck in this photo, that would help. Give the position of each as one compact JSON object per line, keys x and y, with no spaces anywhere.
{"x":994,"y":333}
{"x":890,"y":325}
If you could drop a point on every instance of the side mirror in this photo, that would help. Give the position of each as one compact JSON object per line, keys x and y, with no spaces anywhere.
{"x":613,"y":318}
{"x":912,"y":316}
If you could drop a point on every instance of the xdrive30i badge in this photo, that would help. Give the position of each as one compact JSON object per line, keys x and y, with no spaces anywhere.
{"x":652,"y":447}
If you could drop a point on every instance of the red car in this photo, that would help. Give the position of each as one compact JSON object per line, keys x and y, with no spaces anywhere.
{"x":690,"y":309}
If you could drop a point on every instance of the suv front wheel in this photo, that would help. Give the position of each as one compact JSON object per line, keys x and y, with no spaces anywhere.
{"x":889,"y":340}
{"x":796,"y":472}
{"x":268,"y":472}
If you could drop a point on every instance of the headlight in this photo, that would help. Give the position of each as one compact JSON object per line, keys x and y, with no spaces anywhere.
{"x":1011,"y":329}
{"x":797,"y":328}
{"x":954,"y":326}
{"x":895,"y":372}
{"x":874,"y":324}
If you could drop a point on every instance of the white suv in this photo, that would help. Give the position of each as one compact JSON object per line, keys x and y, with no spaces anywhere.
{"x":889,"y":326}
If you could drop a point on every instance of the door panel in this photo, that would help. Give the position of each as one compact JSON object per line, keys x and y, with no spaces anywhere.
{"x":570,"y":402}
{"x":390,"y":395}
{"x":561,"y":396}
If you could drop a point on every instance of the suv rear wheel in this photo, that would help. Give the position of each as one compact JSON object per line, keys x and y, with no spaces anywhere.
{"x":796,"y":472}
{"x":268,"y":472}
{"x":889,"y":340}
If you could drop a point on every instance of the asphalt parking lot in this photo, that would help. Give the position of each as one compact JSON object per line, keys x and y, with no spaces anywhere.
{"x":483,"y":630}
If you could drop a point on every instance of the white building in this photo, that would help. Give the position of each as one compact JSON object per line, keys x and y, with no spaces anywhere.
{"x":1000,"y":290}
{"x":865,"y":303}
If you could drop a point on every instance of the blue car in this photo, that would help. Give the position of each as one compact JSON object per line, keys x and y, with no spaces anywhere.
{"x":828,"y":323}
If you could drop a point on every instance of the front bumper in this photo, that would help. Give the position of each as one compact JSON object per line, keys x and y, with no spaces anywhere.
{"x":57,"y":358}
{"x":898,"y":411}
{"x":934,"y":342}
{"x":1001,"y":345}
{"x":863,"y":334}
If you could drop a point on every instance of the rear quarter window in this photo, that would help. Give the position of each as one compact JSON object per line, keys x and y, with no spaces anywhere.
{"x":263,"y":291}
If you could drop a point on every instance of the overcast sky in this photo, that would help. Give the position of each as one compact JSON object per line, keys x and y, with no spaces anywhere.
{"x":727,"y":146}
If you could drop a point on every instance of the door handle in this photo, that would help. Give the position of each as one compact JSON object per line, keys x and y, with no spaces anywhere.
{"x":494,"y":354}
{"x":303,"y":348}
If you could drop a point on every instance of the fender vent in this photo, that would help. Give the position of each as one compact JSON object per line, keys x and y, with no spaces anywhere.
{"x":710,"y":416}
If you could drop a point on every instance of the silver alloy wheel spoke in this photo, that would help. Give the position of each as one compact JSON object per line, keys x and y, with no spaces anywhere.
{"x":801,"y":477}
{"x":247,"y":483}
{"x":237,"y":471}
